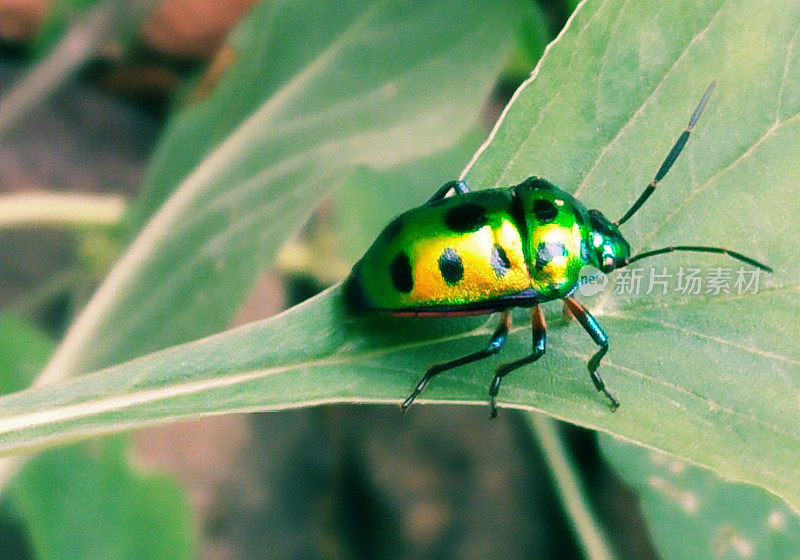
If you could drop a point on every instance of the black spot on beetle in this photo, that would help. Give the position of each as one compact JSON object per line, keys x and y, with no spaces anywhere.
{"x":546,"y":252}
{"x":451,"y":266}
{"x":544,"y":210}
{"x":400,"y":273}
{"x":393,"y":229}
{"x":466,"y":218}
{"x":499,"y":261}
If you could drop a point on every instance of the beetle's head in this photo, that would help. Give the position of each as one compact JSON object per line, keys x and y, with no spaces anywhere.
{"x":609,"y":249}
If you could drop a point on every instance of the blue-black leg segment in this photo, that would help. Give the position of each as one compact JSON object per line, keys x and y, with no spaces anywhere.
{"x":595,"y":331}
{"x":458,"y":187}
{"x":494,"y":346}
{"x":539,"y":332}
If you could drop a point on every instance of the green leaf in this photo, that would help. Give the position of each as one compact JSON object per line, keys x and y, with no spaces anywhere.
{"x":83,"y":502}
{"x":60,"y":14}
{"x":309,"y":96}
{"x":607,"y":103}
{"x":369,"y":199}
{"x":694,"y":514}
{"x":363,"y":205}
{"x":711,"y":378}
{"x":23,"y":351}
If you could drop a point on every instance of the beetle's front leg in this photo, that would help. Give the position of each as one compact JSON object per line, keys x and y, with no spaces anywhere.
{"x":539,"y":331}
{"x":599,"y":337}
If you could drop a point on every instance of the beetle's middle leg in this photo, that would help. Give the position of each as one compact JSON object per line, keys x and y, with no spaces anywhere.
{"x":539,"y":331}
{"x":494,"y":346}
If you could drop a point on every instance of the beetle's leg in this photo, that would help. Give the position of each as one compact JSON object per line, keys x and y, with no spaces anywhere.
{"x":539,"y":329}
{"x":595,"y":331}
{"x":458,"y":187}
{"x":566,"y":314}
{"x":495,"y":344}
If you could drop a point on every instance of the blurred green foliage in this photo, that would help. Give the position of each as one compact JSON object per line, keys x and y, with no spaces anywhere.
{"x":85,"y":501}
{"x":693,"y":514}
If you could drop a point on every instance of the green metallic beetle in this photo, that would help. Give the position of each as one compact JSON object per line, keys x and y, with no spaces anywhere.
{"x":493,"y":250}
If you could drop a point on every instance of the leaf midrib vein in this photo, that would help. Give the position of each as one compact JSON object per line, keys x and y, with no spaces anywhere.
{"x":85,"y":409}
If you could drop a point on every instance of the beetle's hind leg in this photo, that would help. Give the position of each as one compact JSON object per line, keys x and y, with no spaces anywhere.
{"x":458,"y":187}
{"x":539,"y":332}
{"x":595,"y":331}
{"x":494,"y":346}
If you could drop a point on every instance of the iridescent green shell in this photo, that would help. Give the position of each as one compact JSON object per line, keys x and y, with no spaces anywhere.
{"x":476,"y":252}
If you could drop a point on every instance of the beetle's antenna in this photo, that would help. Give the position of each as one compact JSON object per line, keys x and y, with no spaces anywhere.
{"x":698,"y":249}
{"x":670,"y":159}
